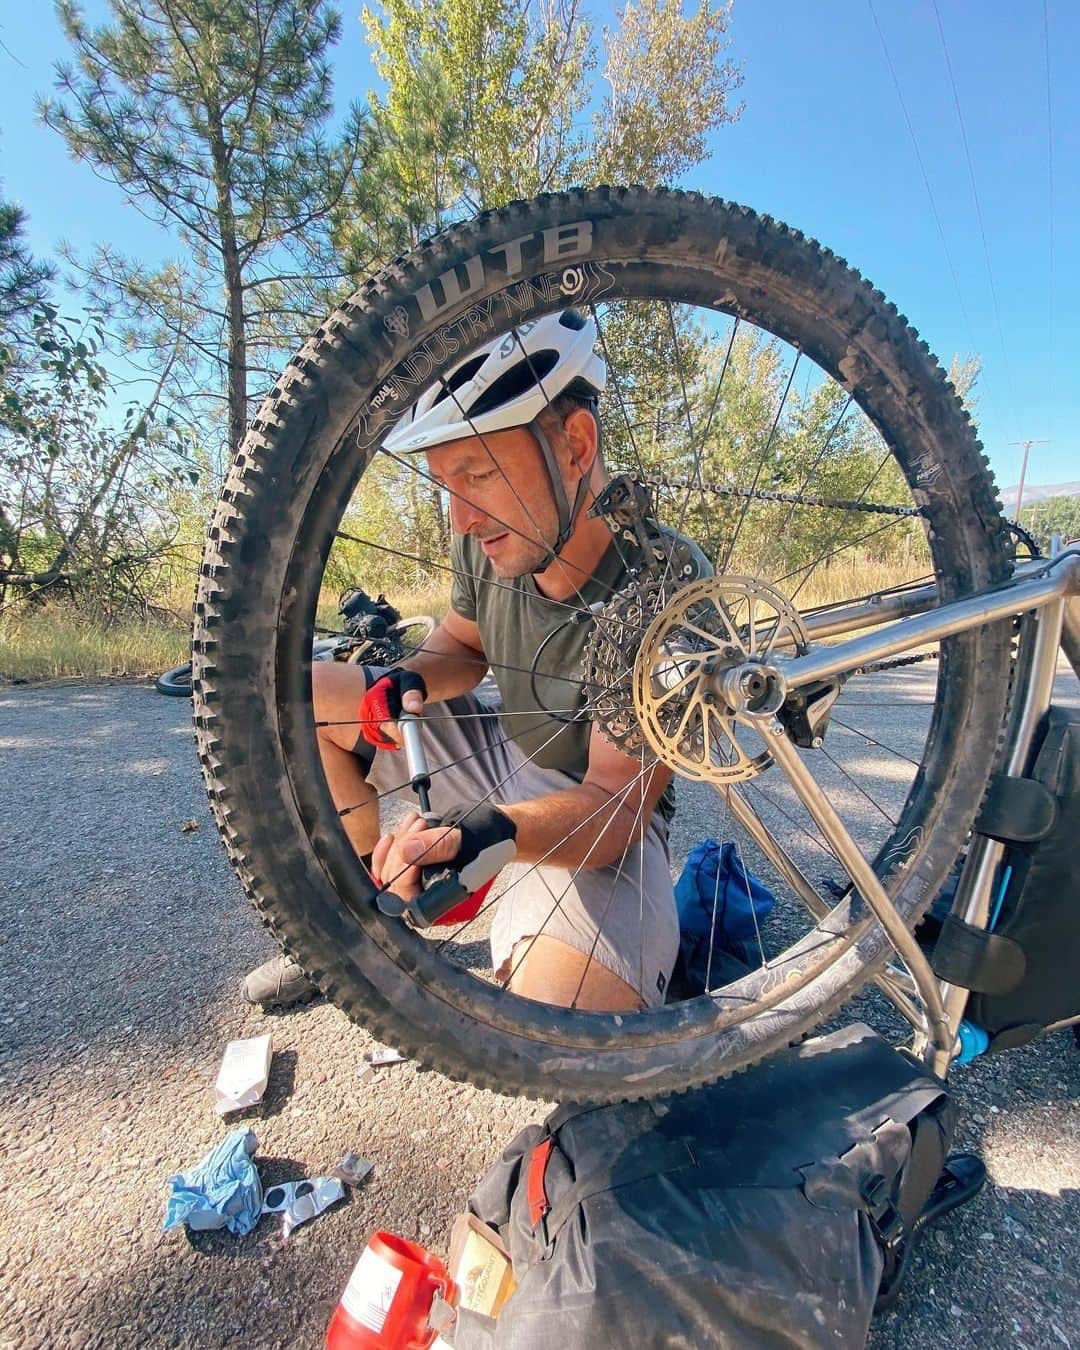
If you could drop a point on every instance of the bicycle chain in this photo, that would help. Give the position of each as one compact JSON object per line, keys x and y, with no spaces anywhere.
{"x":876,"y":666}
{"x":790,"y":498}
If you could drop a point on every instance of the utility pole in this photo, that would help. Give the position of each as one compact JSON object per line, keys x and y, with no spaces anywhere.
{"x":1023,"y":469}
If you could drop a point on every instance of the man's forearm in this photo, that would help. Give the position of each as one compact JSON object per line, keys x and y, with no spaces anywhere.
{"x":584,"y":826}
{"x":448,"y":666}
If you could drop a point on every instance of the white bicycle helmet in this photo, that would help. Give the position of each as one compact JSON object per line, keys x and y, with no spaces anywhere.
{"x":508,"y":383}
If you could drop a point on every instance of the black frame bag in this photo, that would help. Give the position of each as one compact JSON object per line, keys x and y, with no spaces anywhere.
{"x":762,"y":1211}
{"x":1025,"y":972}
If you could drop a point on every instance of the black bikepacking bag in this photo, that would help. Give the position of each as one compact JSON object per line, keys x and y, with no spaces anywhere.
{"x":761,"y":1211}
{"x":1025,"y":972}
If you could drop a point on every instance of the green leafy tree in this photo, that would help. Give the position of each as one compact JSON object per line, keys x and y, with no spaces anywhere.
{"x":1054,"y":515}
{"x":669,"y":87}
{"x":480,"y":100}
{"x":211,"y":116}
{"x":84,"y":512}
{"x":485,"y":100}
{"x":964,"y":371}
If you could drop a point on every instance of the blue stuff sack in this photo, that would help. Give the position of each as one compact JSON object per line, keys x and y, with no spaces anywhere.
{"x":715,"y":881}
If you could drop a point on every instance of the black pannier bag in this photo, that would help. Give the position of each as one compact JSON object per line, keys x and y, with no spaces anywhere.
{"x":1025,"y":972}
{"x":763,"y":1211}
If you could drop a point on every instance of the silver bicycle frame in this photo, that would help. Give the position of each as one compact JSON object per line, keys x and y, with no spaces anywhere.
{"x":1045,"y":595}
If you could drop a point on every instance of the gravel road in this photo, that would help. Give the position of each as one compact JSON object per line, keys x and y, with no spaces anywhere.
{"x":123,"y":943}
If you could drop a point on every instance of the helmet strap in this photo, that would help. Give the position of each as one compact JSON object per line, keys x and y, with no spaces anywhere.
{"x":567,"y":514}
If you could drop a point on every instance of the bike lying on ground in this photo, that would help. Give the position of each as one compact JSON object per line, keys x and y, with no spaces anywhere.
{"x":374,"y":633}
{"x":766,"y":402}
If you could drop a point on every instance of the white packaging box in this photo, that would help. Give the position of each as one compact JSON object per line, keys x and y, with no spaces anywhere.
{"x":244,"y":1071}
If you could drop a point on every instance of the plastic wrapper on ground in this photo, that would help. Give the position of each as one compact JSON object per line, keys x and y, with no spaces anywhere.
{"x":222,"y":1191}
{"x":299,"y":1201}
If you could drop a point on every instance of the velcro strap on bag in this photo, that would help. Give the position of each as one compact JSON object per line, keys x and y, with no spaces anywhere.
{"x":1017,"y":810}
{"x":652,"y":1159}
{"x":987,"y":963}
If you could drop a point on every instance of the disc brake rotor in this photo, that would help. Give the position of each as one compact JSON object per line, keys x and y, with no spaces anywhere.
{"x":709,"y":627}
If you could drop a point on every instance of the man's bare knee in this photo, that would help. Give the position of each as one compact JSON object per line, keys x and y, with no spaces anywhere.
{"x":337,"y":690}
{"x":551,"y":971}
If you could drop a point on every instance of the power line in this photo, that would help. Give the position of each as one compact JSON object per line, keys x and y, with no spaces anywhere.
{"x":978,"y":208}
{"x":1049,"y":217}
{"x":922,"y":170}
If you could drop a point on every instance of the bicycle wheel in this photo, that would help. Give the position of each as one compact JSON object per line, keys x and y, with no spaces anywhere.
{"x":699,"y":303}
{"x":176,"y":683}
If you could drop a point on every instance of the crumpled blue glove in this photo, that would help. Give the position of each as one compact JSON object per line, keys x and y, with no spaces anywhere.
{"x":222,"y":1191}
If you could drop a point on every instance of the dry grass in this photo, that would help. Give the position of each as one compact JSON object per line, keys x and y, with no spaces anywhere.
{"x":56,"y":642}
{"x":848,"y":578}
{"x":433,"y":599}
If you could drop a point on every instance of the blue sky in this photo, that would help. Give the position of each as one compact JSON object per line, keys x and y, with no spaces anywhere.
{"x":824,"y":144}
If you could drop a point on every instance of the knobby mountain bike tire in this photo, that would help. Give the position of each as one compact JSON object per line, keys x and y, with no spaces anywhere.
{"x":317,"y":434}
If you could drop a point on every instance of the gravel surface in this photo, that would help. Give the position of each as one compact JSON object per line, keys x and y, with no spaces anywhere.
{"x":124,"y":941}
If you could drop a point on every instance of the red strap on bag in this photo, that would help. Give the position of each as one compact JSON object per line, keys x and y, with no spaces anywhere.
{"x":535,"y":1193}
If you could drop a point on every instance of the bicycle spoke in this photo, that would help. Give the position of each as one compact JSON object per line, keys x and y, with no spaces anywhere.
{"x":817,"y":461}
{"x":716,"y":898}
{"x":697,"y":452}
{"x":828,"y":554}
{"x":562,"y":897}
{"x":861,"y":790}
{"x":846,"y":726}
{"x":818,"y":843}
{"x":617,"y":387}
{"x":761,"y":463}
{"x":712,"y":548}
{"x":614,"y":887}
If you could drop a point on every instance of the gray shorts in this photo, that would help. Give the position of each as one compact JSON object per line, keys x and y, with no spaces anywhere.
{"x":626,"y":909}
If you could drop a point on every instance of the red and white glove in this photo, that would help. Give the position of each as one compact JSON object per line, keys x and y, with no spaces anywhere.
{"x":383,"y":701}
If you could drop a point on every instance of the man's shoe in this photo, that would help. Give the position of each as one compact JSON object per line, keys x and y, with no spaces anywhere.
{"x":963,"y":1178}
{"x":278,"y":983}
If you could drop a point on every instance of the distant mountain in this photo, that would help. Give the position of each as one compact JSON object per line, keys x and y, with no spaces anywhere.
{"x":1038,"y":492}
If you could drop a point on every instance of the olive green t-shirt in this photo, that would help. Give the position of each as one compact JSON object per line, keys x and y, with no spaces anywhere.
{"x":514,"y":618}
